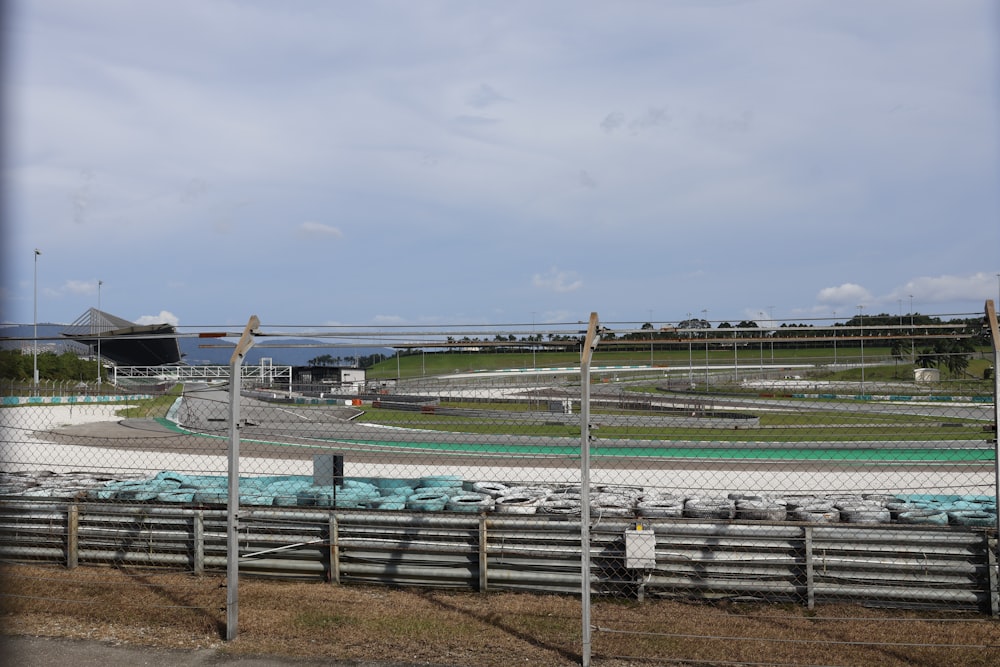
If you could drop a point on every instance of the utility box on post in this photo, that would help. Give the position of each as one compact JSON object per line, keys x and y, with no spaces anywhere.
{"x":640,"y":549}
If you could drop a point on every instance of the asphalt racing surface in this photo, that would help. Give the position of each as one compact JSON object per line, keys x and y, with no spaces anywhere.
{"x":274,"y":436}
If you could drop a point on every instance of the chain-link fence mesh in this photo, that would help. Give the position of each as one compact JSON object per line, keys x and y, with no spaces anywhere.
{"x":812,"y":470}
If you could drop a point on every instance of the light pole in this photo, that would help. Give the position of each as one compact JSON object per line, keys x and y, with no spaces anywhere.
{"x":771,"y":315}
{"x":690,"y":358}
{"x":899,"y":344}
{"x":533,"y":363}
{"x":913,"y":353}
{"x":760,"y":334}
{"x":736,"y":360}
{"x":35,"y":341}
{"x":861,"y":322}
{"x":704,"y":314}
{"x":98,"y":315}
{"x":834,"y":339}
{"x":650,"y":339}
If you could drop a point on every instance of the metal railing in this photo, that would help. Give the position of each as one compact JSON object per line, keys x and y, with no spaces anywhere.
{"x":913,"y":567}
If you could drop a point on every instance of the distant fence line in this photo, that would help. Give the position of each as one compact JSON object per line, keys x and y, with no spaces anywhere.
{"x":71,"y":400}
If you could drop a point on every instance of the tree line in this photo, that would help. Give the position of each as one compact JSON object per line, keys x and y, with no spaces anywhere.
{"x":51,"y":366}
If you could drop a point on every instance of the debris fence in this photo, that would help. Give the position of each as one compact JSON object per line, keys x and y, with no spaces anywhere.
{"x":812,"y":468}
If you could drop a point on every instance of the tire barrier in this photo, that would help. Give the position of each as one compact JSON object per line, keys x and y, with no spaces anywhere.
{"x":571,"y":496}
{"x":442,"y":481}
{"x":631,"y":492}
{"x":536,"y":491}
{"x":901,"y":506}
{"x":563,"y":506}
{"x":175,"y":497}
{"x":864,"y":513}
{"x":660,"y":509}
{"x":470,"y":502}
{"x":450,"y":493}
{"x":427,"y":502}
{"x":492,"y":489}
{"x":972,"y":518}
{"x":216,"y":497}
{"x":818,"y":513}
{"x":709,"y":508}
{"x":761,"y":510}
{"x":924,"y":517}
{"x":389,"y":502}
{"x":516,"y":503}
{"x":612,"y":504}
{"x":394,"y":486}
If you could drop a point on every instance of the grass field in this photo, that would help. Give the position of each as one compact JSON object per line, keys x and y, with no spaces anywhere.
{"x":880,"y":365}
{"x":436,"y":627}
{"x":776,"y":427}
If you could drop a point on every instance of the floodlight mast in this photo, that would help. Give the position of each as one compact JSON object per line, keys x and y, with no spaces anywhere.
{"x":34,"y":355}
{"x":233,"y":502}
{"x":99,"y":332}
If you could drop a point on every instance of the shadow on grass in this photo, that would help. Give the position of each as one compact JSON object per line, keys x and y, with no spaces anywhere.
{"x":492,"y":620}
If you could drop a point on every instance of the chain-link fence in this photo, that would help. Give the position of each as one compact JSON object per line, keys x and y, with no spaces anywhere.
{"x":812,"y":469}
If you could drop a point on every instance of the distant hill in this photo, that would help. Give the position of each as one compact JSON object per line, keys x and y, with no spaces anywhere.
{"x":281,"y":356}
{"x":46,"y":333}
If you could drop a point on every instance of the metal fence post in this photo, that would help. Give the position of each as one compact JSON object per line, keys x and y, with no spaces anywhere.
{"x":585,"y":356}
{"x":72,"y":536}
{"x":991,"y":323}
{"x":233,"y":501}
{"x":810,"y":572}
{"x":333,"y":548}
{"x":198,"y":542}
{"x":483,"y":560}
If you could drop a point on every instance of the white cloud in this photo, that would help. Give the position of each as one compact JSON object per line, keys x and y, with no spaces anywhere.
{"x":557,"y":280}
{"x":81,"y":287}
{"x":550,"y":138}
{"x":165,"y":317}
{"x":847,"y":294}
{"x":311,"y":228}
{"x":946,"y":289}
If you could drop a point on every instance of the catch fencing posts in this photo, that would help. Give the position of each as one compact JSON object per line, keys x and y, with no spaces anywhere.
{"x":585,"y":356}
{"x":233,"y":502}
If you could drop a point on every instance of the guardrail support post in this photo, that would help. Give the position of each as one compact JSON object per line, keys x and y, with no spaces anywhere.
{"x":72,"y":536}
{"x":198,"y":542}
{"x":991,"y":574}
{"x":810,"y":575}
{"x":483,"y":573}
{"x":334,"y":537}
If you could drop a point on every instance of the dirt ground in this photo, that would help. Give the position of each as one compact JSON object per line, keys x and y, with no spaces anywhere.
{"x":369,"y":624}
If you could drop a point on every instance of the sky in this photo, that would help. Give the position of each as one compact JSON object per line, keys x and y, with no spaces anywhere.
{"x":440,"y":162}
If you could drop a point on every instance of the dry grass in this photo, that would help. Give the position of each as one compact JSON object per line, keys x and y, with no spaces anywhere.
{"x":368,"y":623}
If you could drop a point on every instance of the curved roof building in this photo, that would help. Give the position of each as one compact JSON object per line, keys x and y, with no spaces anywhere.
{"x":123,"y":342}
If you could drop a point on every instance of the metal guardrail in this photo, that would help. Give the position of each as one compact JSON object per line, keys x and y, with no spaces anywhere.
{"x":903,"y":566}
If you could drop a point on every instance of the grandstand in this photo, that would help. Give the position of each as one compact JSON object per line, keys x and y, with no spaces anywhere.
{"x":125,"y":343}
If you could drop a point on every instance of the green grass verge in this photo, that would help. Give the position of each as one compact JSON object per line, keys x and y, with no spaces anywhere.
{"x":152,"y":408}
